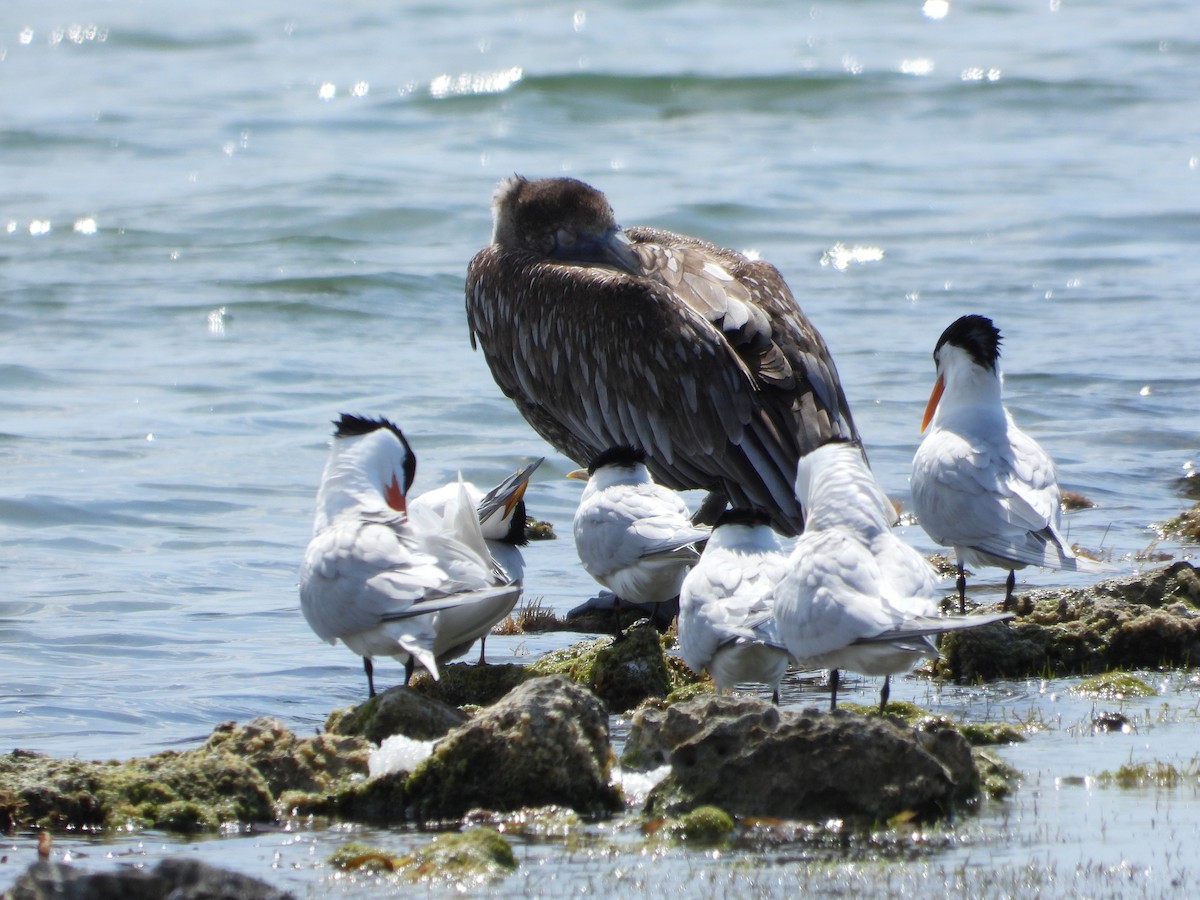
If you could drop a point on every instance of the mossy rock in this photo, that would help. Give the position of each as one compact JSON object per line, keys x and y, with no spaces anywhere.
{"x":398,"y":710}
{"x":621,"y":673}
{"x":1115,"y":686}
{"x":1144,"y":621}
{"x":463,"y":684}
{"x":357,"y":856}
{"x":705,"y":826}
{"x":479,"y":854}
{"x":1185,"y":526}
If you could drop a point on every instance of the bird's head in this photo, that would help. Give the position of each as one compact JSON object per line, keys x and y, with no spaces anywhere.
{"x":969,"y":342}
{"x":374,"y":450}
{"x":561,"y":219}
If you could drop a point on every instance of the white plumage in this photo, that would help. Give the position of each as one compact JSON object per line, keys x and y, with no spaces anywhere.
{"x":371,"y":577}
{"x":633,"y":535}
{"x":855,"y":595}
{"x":979,"y":483}
{"x":726,"y":605}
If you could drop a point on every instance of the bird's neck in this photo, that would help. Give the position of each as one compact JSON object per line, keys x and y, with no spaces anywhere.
{"x":744,"y":538}
{"x":972,"y":402}
{"x":612,"y":475}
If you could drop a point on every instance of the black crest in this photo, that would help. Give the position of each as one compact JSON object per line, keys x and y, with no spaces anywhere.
{"x":348,"y":425}
{"x":617,"y":456}
{"x":743,"y":515}
{"x":977,"y":336}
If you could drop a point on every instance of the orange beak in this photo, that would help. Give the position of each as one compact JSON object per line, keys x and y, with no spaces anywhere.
{"x":931,"y":407}
{"x":395,"y":496}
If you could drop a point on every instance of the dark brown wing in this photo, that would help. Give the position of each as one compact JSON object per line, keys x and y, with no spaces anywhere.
{"x":720,"y":379}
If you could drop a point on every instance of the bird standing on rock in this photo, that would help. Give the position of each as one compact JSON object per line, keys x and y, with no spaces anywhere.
{"x":633,"y":536}
{"x":726,"y":605}
{"x":372,"y":578}
{"x":979,"y":483}
{"x":697,"y":354}
{"x":855,"y":595}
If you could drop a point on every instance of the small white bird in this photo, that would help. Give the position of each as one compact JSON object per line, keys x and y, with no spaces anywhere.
{"x":370,"y":577}
{"x":726,"y":605}
{"x":855,"y":595}
{"x":632,"y":535}
{"x":501,"y":514}
{"x":979,"y":483}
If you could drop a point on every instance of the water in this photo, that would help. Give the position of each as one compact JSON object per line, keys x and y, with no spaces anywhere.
{"x":223,"y":225}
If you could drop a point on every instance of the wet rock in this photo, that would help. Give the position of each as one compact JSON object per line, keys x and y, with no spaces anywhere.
{"x":171,"y":879}
{"x":545,"y":743}
{"x":463,"y":684}
{"x":1111,"y":721}
{"x":286,"y":761}
{"x":1185,"y":526}
{"x":475,"y":855}
{"x":656,"y":729}
{"x":813,"y":765}
{"x":704,"y":826}
{"x":233,"y":777}
{"x":1115,"y":686}
{"x":621,"y":673}
{"x":1142,"y":621}
{"x":398,"y":710}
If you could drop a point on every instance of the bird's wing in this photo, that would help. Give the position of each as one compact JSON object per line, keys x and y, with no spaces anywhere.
{"x":968,"y":496}
{"x":727,"y":598}
{"x":355,"y":574}
{"x":926,"y":626}
{"x":595,"y":358}
{"x":831,"y":595}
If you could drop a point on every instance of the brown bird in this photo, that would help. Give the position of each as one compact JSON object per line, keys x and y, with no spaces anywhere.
{"x":696,"y":354}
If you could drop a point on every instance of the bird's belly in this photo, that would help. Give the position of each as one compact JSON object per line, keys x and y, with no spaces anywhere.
{"x":747,"y":661}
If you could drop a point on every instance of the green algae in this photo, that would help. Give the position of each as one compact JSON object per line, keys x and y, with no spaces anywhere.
{"x":398,"y":710}
{"x":232,"y":778}
{"x":1144,"y":621}
{"x":356,"y":855}
{"x":1185,"y":526}
{"x":1153,"y":774}
{"x":621,"y":673}
{"x":477,"y":856}
{"x":704,"y":826}
{"x":1115,"y":686}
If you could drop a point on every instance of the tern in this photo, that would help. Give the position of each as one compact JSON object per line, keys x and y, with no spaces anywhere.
{"x":502,"y":516}
{"x":634,"y":536}
{"x":856,"y":596}
{"x":641,"y":337}
{"x":726,"y":605}
{"x":979,"y":483}
{"x":371,"y":577}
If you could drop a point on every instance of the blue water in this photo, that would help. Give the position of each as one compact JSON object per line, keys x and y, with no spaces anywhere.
{"x":222,"y":224}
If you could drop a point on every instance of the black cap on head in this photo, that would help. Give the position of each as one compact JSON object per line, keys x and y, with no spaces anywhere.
{"x":348,"y":425}
{"x":623,"y":455}
{"x":977,"y":336}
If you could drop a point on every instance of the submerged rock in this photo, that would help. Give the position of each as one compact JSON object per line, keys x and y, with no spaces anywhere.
{"x":752,"y":759}
{"x":1185,"y":526}
{"x":545,"y":743}
{"x":171,"y":879}
{"x":398,"y":710}
{"x":1142,"y":621}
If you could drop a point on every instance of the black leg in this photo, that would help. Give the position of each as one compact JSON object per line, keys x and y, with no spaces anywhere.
{"x":369,"y":668}
{"x":482,"y":642}
{"x":962,"y":589}
{"x":409,"y":668}
{"x":833,"y":684}
{"x":775,"y":696}
{"x":885,"y":693}
{"x":616,"y":618}
{"x":1008,"y":597}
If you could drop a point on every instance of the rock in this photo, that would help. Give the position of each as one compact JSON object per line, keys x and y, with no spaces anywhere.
{"x":176,"y":879}
{"x":1143,"y":621}
{"x":704,"y":826}
{"x":475,"y":855}
{"x":1185,"y":526}
{"x":462,"y":684}
{"x":545,"y":743}
{"x":621,"y":673}
{"x":656,"y":729}
{"x":288,"y":762}
{"x":234,"y":777}
{"x":756,"y":760}
{"x":398,"y":710}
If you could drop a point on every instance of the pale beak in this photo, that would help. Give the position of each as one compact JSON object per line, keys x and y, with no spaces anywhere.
{"x":506,"y":495}
{"x":581,"y":474}
{"x":939,"y":387}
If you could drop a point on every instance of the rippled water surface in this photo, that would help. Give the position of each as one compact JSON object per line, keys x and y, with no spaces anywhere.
{"x":223,"y":223}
